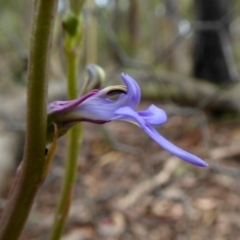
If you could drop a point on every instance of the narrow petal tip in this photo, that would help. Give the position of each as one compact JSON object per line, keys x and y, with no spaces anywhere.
{"x":202,"y":164}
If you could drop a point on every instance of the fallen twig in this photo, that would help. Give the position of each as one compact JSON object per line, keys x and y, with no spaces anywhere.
{"x":149,"y":184}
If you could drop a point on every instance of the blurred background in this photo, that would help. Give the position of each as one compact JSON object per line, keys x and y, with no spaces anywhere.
{"x":185,"y":55}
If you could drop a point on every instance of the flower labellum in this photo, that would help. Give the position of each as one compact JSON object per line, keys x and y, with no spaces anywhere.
{"x":97,"y":107}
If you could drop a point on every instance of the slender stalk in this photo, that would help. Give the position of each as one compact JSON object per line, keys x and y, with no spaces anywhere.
{"x":27,"y":184}
{"x":91,"y":34}
{"x":69,"y":180}
{"x":76,"y":5}
{"x":72,"y":57}
{"x":75,"y":136}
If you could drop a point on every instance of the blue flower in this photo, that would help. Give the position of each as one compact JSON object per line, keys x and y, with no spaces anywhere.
{"x":98,"y":107}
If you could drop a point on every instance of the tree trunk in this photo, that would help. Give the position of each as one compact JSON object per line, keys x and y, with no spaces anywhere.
{"x":132,"y":27}
{"x":212,"y":58}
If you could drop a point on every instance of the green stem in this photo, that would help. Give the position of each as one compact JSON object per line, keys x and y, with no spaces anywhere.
{"x":75,"y":136}
{"x":69,"y":180}
{"x":29,"y":178}
{"x":76,"y":5}
{"x":72,"y":73}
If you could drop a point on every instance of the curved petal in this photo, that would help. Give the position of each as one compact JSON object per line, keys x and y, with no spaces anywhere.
{"x":186,"y":156}
{"x":154,"y":115}
{"x":134,"y":92}
{"x":99,"y":107}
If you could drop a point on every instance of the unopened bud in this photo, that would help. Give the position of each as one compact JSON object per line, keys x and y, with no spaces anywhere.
{"x":95,"y":77}
{"x":72,"y":24}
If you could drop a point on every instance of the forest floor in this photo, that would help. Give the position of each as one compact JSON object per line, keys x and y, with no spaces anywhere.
{"x":129,"y":188}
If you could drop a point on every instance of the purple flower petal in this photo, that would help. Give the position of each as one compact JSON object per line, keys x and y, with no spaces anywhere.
{"x":99,"y":107}
{"x":188,"y":157}
{"x":153,"y":115}
{"x":127,"y":114}
{"x":134,"y":92}
{"x":96,"y":107}
{"x":66,"y":106}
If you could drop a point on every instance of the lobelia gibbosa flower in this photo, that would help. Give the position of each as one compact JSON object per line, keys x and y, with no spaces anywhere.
{"x":97,"y":107}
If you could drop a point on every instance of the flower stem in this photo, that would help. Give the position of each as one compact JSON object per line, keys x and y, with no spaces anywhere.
{"x":72,"y":73}
{"x":69,"y":180}
{"x":75,"y":136}
{"x":30,"y":176}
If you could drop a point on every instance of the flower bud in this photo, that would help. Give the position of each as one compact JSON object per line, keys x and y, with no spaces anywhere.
{"x":95,"y":77}
{"x":72,"y":24}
